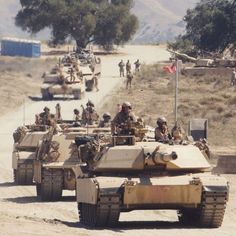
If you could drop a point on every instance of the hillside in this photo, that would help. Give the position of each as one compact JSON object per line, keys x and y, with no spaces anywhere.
{"x":160,"y":20}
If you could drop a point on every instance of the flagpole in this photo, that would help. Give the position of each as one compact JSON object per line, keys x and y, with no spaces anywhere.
{"x":176,"y":90}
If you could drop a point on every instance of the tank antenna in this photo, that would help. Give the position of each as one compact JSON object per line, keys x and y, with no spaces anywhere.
{"x":24,"y":111}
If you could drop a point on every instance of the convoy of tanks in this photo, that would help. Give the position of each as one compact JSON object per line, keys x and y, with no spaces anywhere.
{"x":113,"y":173}
{"x":72,"y":76}
{"x":119,"y":173}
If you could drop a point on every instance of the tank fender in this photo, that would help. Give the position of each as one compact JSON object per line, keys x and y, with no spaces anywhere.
{"x":15,"y":158}
{"x":37,"y":171}
{"x":87,"y":190}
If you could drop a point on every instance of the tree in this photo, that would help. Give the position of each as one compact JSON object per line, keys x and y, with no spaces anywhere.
{"x":210,"y":26}
{"x":104,"y":22}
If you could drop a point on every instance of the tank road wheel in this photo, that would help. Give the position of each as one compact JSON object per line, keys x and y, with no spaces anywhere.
{"x":51,"y":185}
{"x":24,"y":174}
{"x":210,"y":213}
{"x":105,"y":213}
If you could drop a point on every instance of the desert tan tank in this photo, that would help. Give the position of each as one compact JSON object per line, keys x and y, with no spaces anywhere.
{"x":57,"y":154}
{"x":205,"y":66}
{"x":127,"y":175}
{"x":63,"y":80}
{"x":26,"y":139}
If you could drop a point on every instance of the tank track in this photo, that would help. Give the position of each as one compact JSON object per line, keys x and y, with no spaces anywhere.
{"x":51,"y":186}
{"x":105,"y":213}
{"x":212,"y":209}
{"x":23,"y":175}
{"x":210,"y":213}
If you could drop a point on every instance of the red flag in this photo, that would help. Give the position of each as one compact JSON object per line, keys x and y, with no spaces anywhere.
{"x":170,"y":69}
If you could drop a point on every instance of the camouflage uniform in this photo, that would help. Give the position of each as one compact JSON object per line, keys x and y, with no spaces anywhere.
{"x":121,"y":66}
{"x":89,"y":115}
{"x":129,"y":80}
{"x":106,"y":120}
{"x":137,"y":65}
{"x":233,"y":78}
{"x":44,"y":117}
{"x":122,"y":118}
{"x":177,"y":133}
{"x":128,"y":68}
{"x":76,"y":115}
{"x":161,"y":131}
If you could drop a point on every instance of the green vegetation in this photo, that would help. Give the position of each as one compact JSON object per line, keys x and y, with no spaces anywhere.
{"x":210,"y":27}
{"x":100,"y":21}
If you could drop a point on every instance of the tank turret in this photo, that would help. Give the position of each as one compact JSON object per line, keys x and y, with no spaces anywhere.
{"x":127,"y":174}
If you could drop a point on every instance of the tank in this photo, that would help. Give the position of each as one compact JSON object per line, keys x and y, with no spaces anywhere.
{"x":132,"y":174}
{"x":205,"y":66}
{"x":26,"y":139}
{"x":56,"y":157}
{"x":71,"y":85}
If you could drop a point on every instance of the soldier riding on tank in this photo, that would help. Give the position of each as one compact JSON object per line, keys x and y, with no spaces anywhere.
{"x":106,"y":122}
{"x":119,"y":123}
{"x":161,"y":131}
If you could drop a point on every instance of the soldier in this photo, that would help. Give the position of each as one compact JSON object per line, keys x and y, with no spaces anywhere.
{"x":177,"y":133}
{"x":89,"y":115}
{"x":129,"y":80}
{"x":76,"y":118}
{"x":95,"y":79}
{"x":128,"y":68}
{"x":233,"y":78}
{"x":121,"y":66}
{"x":76,"y":115}
{"x":161,"y":131}
{"x":122,"y":117}
{"x":54,"y":127}
{"x":106,"y":122}
{"x":44,"y":117}
{"x":58,"y":111}
{"x":137,"y":65}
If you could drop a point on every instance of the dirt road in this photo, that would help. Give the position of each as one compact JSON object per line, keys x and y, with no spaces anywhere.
{"x":22,"y":214}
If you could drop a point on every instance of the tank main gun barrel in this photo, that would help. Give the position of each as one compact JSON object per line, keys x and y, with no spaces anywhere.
{"x":183,"y":56}
{"x":159,"y":157}
{"x":164,"y":157}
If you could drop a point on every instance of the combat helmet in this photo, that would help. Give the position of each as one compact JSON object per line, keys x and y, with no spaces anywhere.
{"x":126,"y":104}
{"x":161,"y":120}
{"x":106,"y":115}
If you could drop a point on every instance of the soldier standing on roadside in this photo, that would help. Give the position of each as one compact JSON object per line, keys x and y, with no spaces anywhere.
{"x":128,"y":68}
{"x":233,"y":78}
{"x":129,"y":80}
{"x":121,"y":66}
{"x":137,"y":65}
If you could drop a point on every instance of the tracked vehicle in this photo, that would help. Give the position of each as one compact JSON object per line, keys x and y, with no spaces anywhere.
{"x":56,"y":157}
{"x":127,"y":175}
{"x":71,"y":85}
{"x":26,"y":139}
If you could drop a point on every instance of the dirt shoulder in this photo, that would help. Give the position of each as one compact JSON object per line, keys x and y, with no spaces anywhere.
{"x":20,"y":78}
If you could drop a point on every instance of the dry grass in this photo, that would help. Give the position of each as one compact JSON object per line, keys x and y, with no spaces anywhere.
{"x":20,"y":78}
{"x":209,"y":97}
